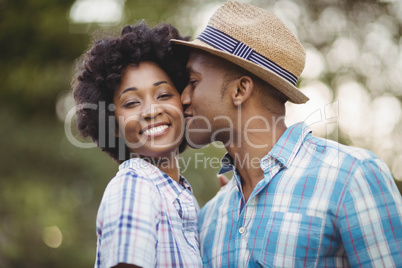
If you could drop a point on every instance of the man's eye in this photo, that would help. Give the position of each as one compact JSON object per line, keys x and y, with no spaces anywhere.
{"x":192,"y":82}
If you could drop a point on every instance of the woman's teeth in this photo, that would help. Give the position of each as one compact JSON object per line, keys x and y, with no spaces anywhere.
{"x":155,"y":130}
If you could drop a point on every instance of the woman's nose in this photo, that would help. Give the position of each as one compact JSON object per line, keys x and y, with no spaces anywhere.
{"x":150,"y":110}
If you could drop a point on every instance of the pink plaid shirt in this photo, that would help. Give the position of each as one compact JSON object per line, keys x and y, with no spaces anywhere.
{"x":147,"y":219}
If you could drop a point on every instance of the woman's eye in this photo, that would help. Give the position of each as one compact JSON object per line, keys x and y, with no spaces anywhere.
{"x":131,"y":103}
{"x":164,"y":96}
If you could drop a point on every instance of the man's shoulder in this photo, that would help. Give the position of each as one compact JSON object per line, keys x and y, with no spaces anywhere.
{"x":298,"y":141}
{"x":327,"y":146}
{"x":346,"y":159}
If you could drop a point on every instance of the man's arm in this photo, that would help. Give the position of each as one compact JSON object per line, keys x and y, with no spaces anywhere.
{"x":370,"y":219}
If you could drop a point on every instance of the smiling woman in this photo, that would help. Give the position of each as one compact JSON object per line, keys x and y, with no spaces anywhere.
{"x":148,"y":110}
{"x":148,"y":215}
{"x":105,"y":73}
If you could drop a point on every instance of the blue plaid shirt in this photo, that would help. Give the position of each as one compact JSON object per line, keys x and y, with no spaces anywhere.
{"x":320,"y":204}
{"x":147,"y":219}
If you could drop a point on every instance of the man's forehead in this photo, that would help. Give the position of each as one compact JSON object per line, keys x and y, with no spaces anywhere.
{"x":199,"y":58}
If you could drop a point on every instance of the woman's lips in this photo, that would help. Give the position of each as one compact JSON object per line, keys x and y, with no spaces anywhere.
{"x":156,"y":130}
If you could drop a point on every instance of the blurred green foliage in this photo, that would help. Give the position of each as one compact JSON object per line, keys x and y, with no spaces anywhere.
{"x":45,"y":181}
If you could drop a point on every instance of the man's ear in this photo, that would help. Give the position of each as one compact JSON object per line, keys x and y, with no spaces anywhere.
{"x":244,"y":88}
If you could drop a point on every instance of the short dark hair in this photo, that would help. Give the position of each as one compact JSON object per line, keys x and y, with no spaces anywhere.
{"x":100,"y":70}
{"x":264,"y":89}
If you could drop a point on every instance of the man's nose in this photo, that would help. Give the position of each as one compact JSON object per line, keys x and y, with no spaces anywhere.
{"x":185,"y":96}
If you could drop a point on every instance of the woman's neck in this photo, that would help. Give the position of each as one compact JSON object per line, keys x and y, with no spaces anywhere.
{"x":168,"y":164}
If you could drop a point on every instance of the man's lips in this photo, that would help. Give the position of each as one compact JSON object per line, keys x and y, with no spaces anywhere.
{"x":187,"y":117}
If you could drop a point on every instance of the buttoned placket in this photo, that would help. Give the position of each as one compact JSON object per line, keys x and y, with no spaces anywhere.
{"x":186,"y":208}
{"x":271,"y":167}
{"x":245,"y":222}
{"x":247,"y":211}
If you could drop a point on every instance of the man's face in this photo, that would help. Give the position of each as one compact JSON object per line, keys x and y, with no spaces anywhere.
{"x":204,"y":105}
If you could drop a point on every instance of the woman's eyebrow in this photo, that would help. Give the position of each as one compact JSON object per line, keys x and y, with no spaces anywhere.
{"x":160,"y":82}
{"x":127,"y":90}
{"x":134,"y":88}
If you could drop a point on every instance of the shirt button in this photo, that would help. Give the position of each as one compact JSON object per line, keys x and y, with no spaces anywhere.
{"x":242,"y":230}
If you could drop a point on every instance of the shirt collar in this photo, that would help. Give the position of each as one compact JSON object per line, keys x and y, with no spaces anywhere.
{"x":227,"y":163}
{"x":167,"y":186}
{"x":283,"y":152}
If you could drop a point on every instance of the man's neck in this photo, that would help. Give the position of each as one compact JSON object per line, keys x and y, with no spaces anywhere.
{"x":249,"y":150}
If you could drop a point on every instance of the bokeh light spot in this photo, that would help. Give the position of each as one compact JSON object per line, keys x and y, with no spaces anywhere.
{"x":397,"y":168}
{"x":315,"y":63}
{"x":52,"y":236}
{"x":99,"y":11}
{"x":317,"y":111}
{"x":354,"y":109}
{"x":386,"y":114}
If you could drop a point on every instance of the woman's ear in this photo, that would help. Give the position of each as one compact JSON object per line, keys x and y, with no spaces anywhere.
{"x":244,"y":88}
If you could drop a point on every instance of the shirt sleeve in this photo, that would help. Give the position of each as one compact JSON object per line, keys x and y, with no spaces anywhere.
{"x":127,"y":222}
{"x":370,"y":219}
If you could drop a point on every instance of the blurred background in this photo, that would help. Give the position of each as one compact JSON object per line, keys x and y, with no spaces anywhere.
{"x":50,"y":189}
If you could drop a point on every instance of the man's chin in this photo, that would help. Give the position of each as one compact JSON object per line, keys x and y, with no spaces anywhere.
{"x":197,"y":141}
{"x":197,"y":146}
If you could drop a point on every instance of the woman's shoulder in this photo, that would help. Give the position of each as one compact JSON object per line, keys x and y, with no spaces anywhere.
{"x":128,"y":190}
{"x":128,"y":194}
{"x":129,"y":180}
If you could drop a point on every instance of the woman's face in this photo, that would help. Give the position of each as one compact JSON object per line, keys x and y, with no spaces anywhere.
{"x":148,"y":111}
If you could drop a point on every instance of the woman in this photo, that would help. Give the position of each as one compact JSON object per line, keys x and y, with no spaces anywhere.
{"x":128,"y":89}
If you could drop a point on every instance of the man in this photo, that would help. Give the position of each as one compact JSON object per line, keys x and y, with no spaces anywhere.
{"x":295,"y":200}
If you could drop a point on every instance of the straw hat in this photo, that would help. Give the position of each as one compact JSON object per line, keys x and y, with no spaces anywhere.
{"x":257,"y":41}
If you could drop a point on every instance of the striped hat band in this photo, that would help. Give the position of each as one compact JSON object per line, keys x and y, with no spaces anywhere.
{"x":224,"y":42}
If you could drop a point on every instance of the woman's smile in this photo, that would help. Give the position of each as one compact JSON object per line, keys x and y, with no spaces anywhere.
{"x":156,"y":130}
{"x":148,"y":111}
